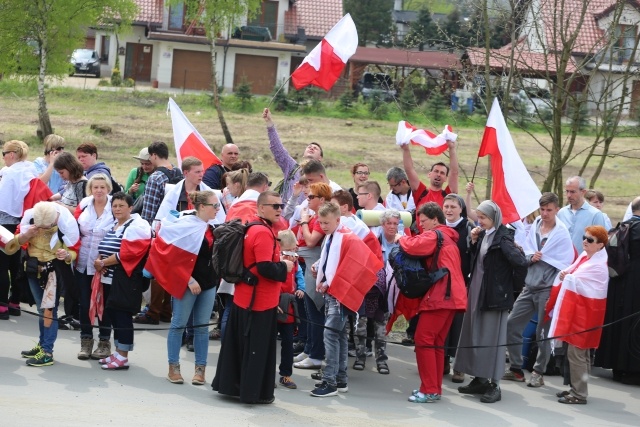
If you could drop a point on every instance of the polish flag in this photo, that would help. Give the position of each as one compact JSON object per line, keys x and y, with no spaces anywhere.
{"x":135,"y":243}
{"x":513,"y":188}
{"x":578,"y":303}
{"x":433,"y":144}
{"x":351,"y":268}
{"x":187,"y":139}
{"x":324,"y":64}
{"x":174,"y":251}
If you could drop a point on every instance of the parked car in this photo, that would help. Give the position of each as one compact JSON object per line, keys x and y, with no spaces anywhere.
{"x":376,"y":82}
{"x":532,"y":100}
{"x":85,"y":61}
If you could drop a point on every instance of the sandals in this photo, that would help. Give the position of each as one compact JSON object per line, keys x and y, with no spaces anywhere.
{"x":107,"y":360}
{"x":358,"y":365}
{"x":383,"y":368}
{"x":562,"y":393}
{"x":116,"y":365}
{"x":572,"y":400}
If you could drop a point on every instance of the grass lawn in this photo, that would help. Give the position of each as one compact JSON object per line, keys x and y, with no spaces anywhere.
{"x":138,"y":118}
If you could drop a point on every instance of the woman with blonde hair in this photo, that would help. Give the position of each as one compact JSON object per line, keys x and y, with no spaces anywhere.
{"x":236,"y":185}
{"x":15,"y":182}
{"x":95,"y":219}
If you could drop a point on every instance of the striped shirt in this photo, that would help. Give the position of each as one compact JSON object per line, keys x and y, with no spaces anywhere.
{"x":110,"y":245}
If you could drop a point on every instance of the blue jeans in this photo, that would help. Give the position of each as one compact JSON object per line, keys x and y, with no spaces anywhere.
{"x":315,"y":345}
{"x":201,"y":305}
{"x":83,"y":281}
{"x":335,"y":343}
{"x":49,"y":334}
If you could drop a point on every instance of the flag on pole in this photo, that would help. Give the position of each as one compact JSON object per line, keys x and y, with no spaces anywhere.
{"x":324,"y":64}
{"x":433,"y":144}
{"x":513,"y":188}
{"x":187,"y":140}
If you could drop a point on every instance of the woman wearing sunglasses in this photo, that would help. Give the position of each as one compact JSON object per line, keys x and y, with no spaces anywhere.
{"x":309,"y":239}
{"x":577,"y":303}
{"x":197,"y":292}
{"x":15,"y":181}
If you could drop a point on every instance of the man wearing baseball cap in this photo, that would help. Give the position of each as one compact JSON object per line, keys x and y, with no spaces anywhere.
{"x":138,"y":176}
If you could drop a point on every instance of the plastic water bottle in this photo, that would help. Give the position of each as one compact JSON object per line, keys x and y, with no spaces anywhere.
{"x":400,"y":227}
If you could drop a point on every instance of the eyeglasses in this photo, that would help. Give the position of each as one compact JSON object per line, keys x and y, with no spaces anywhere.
{"x":312,"y":196}
{"x":588,"y":239}
{"x":363,"y":194}
{"x":58,"y":149}
{"x":395,"y":185}
{"x":215,"y":205}
{"x":4,"y":153}
{"x":274,"y":205}
{"x":366,"y":173}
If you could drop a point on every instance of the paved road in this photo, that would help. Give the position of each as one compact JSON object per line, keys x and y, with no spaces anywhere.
{"x":79,"y":393}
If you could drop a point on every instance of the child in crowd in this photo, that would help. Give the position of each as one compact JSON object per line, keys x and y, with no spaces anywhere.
{"x":345,"y":272}
{"x":287,"y":310}
{"x":596,"y":199}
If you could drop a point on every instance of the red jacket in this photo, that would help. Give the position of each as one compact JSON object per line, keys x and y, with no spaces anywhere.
{"x":425,"y":245}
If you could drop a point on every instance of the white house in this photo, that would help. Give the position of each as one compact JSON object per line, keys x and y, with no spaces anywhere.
{"x":167,"y":50}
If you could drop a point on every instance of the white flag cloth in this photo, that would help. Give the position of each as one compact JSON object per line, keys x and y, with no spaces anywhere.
{"x":513,"y":188}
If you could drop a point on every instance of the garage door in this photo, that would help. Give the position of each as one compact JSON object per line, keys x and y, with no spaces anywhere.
{"x":260,"y":71}
{"x":191,"y":70}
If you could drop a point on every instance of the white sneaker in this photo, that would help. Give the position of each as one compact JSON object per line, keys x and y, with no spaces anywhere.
{"x":300,"y":357}
{"x":308,"y":363}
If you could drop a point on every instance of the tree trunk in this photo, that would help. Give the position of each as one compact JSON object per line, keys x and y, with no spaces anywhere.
{"x":44,"y":122}
{"x":214,"y":86}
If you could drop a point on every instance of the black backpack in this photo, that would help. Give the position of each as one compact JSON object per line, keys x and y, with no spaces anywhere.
{"x":618,"y":248}
{"x":174,"y":175}
{"x":227,"y":258}
{"x":412,"y":279}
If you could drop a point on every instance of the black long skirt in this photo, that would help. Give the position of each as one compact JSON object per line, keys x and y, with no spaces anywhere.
{"x":247,"y":361}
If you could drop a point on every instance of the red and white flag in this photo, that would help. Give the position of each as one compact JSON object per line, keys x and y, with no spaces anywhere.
{"x":351,"y":268}
{"x":513,"y":188}
{"x":174,"y":251}
{"x":135,"y":243}
{"x":187,"y":139}
{"x":433,"y":144}
{"x":578,"y":303}
{"x":324,"y":64}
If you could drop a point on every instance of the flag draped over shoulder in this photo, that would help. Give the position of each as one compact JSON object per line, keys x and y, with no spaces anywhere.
{"x":351,"y":268}
{"x":174,"y":251}
{"x":558,"y":248}
{"x":324,"y":64}
{"x":433,"y":144}
{"x":135,"y":243}
{"x":579,"y":302}
{"x":513,"y":188}
{"x":187,"y":139}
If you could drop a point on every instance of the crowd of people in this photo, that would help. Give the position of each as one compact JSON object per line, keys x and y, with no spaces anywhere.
{"x":317,"y":270}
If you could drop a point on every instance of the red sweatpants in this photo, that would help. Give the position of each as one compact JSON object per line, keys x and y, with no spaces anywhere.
{"x":432,"y":330}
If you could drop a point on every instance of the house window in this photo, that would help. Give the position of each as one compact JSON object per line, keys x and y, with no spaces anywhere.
{"x":268,"y":18}
{"x":625,"y":42}
{"x":176,"y":17}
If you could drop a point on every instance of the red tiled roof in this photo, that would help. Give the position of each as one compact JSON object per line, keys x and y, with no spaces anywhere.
{"x":149,"y":11}
{"x":406,"y":58}
{"x":561,"y":24}
{"x":526,"y":62}
{"x":317,"y":17}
